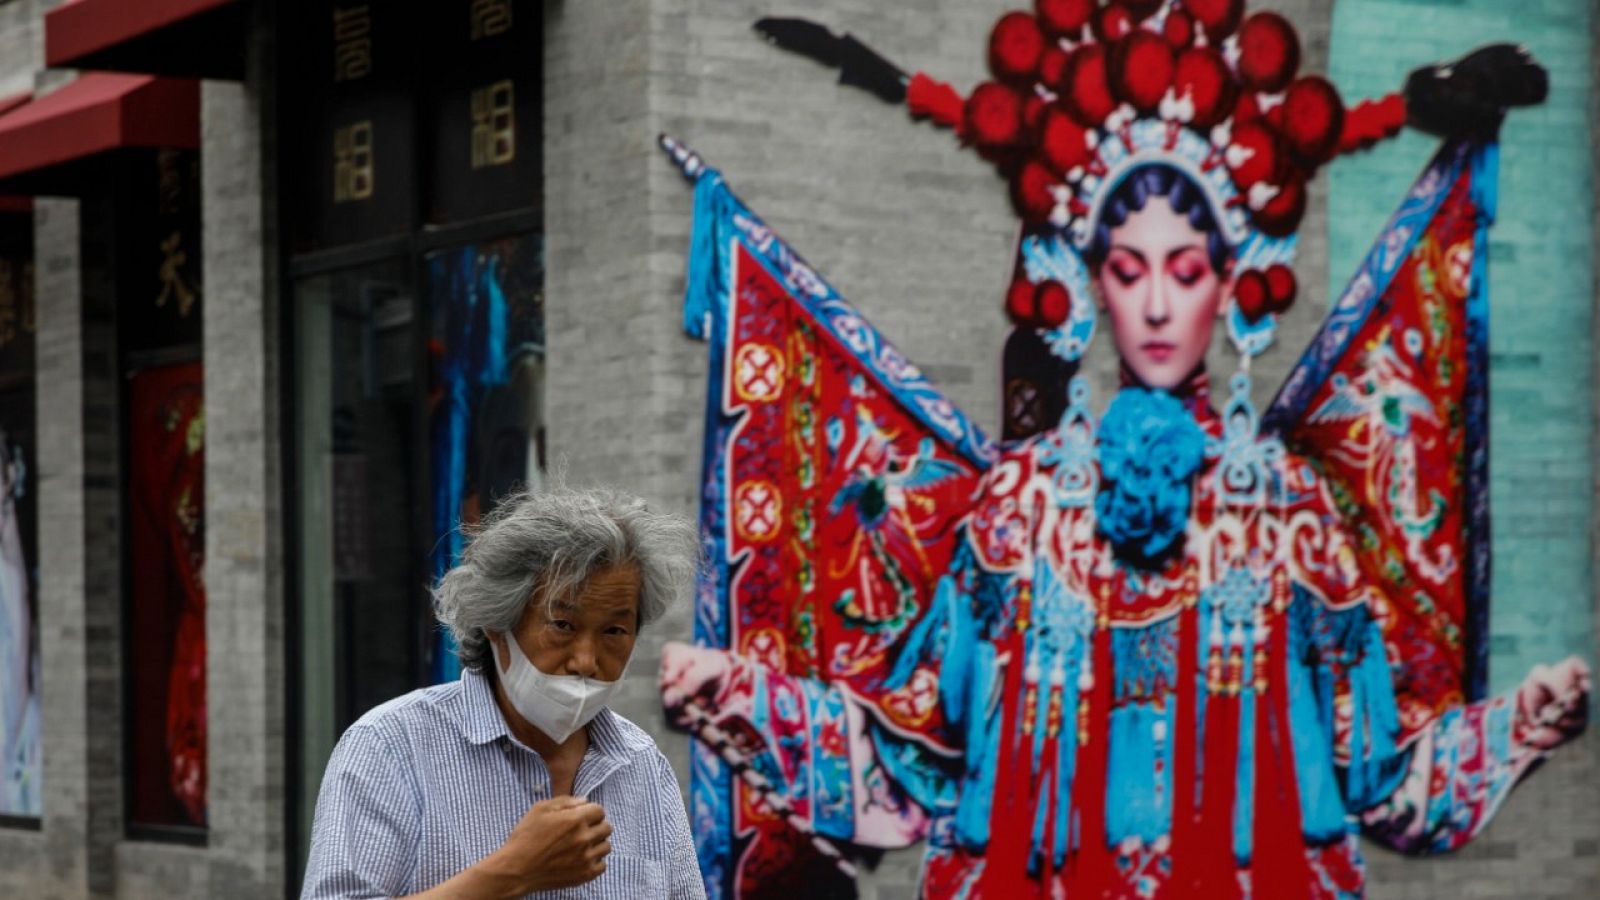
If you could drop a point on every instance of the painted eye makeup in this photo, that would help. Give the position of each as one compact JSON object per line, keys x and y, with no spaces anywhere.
{"x":1125,"y":273}
{"x":1186,"y":269}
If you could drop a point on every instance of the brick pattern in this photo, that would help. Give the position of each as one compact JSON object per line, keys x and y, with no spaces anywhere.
{"x":21,"y":44}
{"x":245,"y":674}
{"x":617,"y":368}
{"x":79,"y":566}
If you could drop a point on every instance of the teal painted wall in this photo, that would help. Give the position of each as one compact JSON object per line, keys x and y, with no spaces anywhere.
{"x":1541,"y":292}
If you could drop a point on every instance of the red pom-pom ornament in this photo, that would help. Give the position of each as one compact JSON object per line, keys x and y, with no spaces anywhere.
{"x":1031,"y":192}
{"x":1020,"y":307}
{"x":1255,"y":155}
{"x":1112,"y":23}
{"x":1269,"y":52}
{"x":1281,"y":215}
{"x":1062,"y":141}
{"x":1281,"y":128}
{"x":1051,"y":303}
{"x":1218,"y":17}
{"x":1246,"y":109}
{"x":1015,"y":46}
{"x":993,"y":117}
{"x":1142,"y":67}
{"x":1064,"y":18}
{"x":1252,"y":295}
{"x":1053,"y":67}
{"x":1281,"y":287}
{"x":1088,"y":89}
{"x":1313,"y":118}
{"x":1032,"y":113}
{"x":1201,"y":75}
{"x":1178,"y":29}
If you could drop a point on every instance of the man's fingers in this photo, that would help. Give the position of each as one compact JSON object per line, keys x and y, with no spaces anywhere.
{"x":601,"y":832}
{"x":557,"y":804}
{"x":591,"y":813}
{"x":600,"y":851}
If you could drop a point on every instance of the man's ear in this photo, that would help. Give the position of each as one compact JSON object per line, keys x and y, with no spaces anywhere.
{"x":497,"y":645}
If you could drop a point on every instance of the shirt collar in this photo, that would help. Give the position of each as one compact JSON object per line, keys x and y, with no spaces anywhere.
{"x":482,"y":722}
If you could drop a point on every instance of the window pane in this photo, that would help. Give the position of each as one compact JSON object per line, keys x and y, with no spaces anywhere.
{"x":363,"y":599}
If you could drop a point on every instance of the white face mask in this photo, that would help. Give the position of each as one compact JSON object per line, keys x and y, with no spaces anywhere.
{"x":557,"y":705}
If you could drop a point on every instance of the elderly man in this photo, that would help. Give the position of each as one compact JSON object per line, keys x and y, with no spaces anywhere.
{"x":517,"y":779}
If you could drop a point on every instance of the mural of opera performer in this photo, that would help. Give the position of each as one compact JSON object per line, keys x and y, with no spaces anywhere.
{"x":1184,"y":650}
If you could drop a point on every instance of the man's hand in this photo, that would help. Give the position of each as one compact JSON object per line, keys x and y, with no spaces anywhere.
{"x":559,"y":843}
{"x":1553,"y":704}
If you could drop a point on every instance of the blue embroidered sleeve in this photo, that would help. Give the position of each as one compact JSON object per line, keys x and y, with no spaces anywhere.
{"x":1431,"y":795}
{"x":1461,"y":770}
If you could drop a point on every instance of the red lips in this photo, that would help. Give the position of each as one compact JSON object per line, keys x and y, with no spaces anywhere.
{"x":1158,"y":351}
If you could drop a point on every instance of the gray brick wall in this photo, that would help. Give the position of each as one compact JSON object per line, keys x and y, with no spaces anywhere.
{"x":615,"y":363}
{"x":80,"y":576}
{"x":246,"y":673}
{"x":21,"y":44}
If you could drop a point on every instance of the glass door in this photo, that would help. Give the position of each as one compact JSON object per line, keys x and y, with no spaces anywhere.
{"x":362,"y":585}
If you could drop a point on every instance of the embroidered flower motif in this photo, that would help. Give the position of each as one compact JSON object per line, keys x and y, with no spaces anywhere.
{"x":1149,"y":450}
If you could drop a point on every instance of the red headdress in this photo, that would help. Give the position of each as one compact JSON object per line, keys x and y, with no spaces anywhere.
{"x":1084,"y":91}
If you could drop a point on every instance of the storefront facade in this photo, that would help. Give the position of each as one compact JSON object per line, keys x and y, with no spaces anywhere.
{"x":263,"y":351}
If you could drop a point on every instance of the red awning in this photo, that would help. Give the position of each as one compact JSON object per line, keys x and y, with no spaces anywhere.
{"x":14,"y":204}
{"x":192,"y":38}
{"x":97,"y":113}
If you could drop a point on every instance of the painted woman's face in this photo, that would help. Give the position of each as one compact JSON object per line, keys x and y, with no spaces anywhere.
{"x":1161,"y":294}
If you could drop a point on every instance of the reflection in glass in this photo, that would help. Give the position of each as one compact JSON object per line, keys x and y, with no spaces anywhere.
{"x":486,"y":352}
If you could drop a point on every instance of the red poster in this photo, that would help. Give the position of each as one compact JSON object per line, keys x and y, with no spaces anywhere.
{"x":166,"y":619}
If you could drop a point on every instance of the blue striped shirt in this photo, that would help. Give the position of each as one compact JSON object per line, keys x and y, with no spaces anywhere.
{"x":429,"y":783}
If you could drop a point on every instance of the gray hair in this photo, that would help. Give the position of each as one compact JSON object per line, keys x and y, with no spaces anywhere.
{"x":548,"y":543}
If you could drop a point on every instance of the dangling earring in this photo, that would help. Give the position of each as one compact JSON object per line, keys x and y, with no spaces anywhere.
{"x":1245,"y":459}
